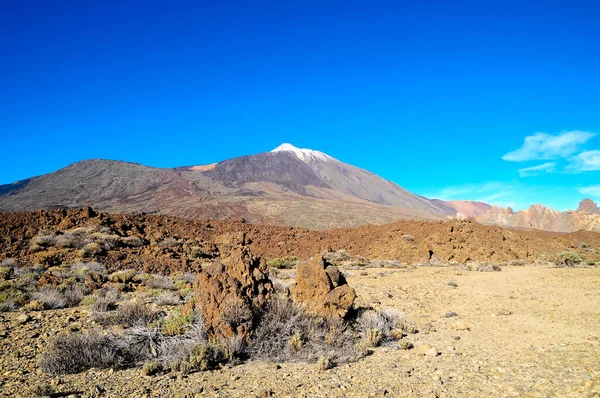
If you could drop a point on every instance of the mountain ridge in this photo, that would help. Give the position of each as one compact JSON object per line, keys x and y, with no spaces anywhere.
{"x":286,"y":186}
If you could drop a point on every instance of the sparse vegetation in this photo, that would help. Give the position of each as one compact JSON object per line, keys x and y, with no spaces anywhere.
{"x":128,"y":314}
{"x":566,"y":259}
{"x":76,"y":352}
{"x":283,"y":262}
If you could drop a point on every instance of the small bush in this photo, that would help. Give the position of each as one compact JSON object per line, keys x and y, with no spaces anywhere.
{"x":133,"y":241}
{"x":124,"y":276}
{"x":323,"y":364}
{"x":286,"y":332}
{"x":168,"y":243}
{"x":81,"y":269}
{"x":159,"y":282}
{"x":488,"y":267}
{"x":54,"y":297}
{"x":207,"y":356}
{"x":283,"y":262}
{"x":176,"y":323}
{"x":41,"y":242}
{"x":74,"y":353}
{"x":373,"y":337}
{"x":167,"y":298}
{"x":91,"y":250}
{"x":5,"y":273}
{"x":128,"y":313}
{"x":566,"y":259}
{"x":516,"y":263}
{"x":151,"y":368}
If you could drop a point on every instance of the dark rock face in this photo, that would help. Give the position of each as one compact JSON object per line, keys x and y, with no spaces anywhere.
{"x":279,"y":168}
{"x":322,"y":289}
{"x":588,"y":206}
{"x":231,"y":293}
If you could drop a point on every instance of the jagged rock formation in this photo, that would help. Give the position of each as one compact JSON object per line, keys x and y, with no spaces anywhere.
{"x":231,"y":292}
{"x":587,"y":217}
{"x":588,"y":206}
{"x":322,"y":289}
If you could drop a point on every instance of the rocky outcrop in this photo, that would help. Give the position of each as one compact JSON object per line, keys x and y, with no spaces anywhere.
{"x":587,"y":217}
{"x":588,"y":206}
{"x":231,"y":293}
{"x":322,"y":289}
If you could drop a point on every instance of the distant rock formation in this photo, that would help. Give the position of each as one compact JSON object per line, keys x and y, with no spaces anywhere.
{"x":587,"y":217}
{"x":588,"y":206}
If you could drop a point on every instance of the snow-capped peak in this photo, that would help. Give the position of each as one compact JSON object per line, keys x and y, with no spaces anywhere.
{"x":303,"y":154}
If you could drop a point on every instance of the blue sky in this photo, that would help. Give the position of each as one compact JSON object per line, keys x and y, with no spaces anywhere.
{"x":495,"y":101}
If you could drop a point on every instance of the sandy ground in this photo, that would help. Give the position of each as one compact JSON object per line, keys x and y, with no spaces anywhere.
{"x":534,"y":332}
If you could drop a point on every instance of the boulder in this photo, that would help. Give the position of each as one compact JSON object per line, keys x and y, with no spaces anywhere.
{"x":231,"y":293}
{"x":322,"y":289}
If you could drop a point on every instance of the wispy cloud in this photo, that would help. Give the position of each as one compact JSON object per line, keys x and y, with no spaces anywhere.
{"x":585,"y":161}
{"x":536,"y":170}
{"x":492,"y":192}
{"x":547,"y":146}
{"x":592,"y":190}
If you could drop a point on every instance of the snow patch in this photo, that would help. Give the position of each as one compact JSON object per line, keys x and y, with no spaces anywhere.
{"x":305,"y":155}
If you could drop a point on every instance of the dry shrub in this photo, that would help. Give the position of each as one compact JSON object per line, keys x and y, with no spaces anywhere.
{"x":488,"y":267}
{"x":124,"y":276}
{"x":311,"y":336}
{"x":168,"y":243}
{"x":91,"y":249}
{"x":381,"y":327}
{"x":42,"y":241}
{"x":167,"y":298}
{"x":160,"y":282}
{"x":133,"y":241}
{"x":55,"y":297}
{"x":128,"y":314}
{"x":74,"y":353}
{"x":566,"y":259}
{"x":81,"y":269}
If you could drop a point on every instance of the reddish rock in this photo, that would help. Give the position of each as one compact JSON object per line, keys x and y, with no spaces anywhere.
{"x":230,"y":294}
{"x":322,"y":289}
{"x":49,"y":279}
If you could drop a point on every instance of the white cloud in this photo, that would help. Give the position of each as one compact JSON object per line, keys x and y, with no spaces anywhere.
{"x":592,"y":190}
{"x":548,"y":146}
{"x":491,"y":192}
{"x":536,"y":170}
{"x":585,"y":161}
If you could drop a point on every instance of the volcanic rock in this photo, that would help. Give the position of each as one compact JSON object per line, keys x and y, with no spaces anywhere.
{"x":322,"y":289}
{"x":231,"y":293}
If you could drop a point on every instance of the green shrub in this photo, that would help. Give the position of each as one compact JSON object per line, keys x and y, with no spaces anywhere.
{"x":124,"y":276}
{"x":151,"y":368}
{"x":283,"y":262}
{"x":176,"y":323}
{"x":566,"y":259}
{"x":5,"y":273}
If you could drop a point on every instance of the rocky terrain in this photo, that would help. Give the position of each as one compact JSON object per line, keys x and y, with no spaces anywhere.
{"x":95,"y":304}
{"x":165,"y":244}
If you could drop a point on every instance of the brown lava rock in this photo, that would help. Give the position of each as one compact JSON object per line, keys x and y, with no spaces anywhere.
{"x":231,"y":293}
{"x":322,"y":289}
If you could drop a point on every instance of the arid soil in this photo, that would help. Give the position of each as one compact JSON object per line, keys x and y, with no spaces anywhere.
{"x":532,"y":332}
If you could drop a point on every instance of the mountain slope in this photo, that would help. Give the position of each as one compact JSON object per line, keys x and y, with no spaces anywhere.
{"x":288,"y":186}
{"x":362,"y":184}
